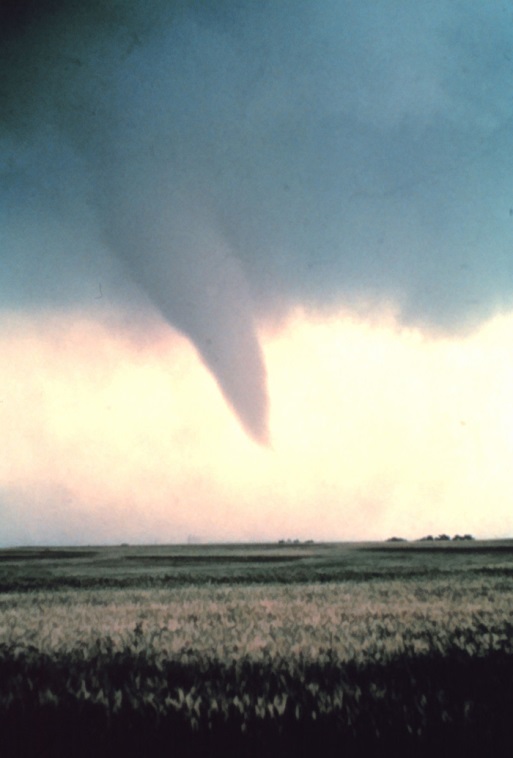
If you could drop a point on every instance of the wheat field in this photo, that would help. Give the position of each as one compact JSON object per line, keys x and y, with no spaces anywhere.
{"x":233,"y":651}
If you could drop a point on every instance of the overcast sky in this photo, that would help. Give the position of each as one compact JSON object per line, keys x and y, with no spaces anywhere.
{"x":256,"y":270}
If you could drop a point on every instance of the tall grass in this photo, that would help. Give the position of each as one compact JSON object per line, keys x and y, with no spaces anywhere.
{"x":396,"y":667}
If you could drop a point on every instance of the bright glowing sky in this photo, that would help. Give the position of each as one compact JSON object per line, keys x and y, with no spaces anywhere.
{"x":376,"y":430}
{"x":219,"y":226}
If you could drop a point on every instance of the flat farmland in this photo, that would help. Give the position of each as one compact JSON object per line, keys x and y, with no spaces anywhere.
{"x":251,"y":650}
{"x":175,"y":565}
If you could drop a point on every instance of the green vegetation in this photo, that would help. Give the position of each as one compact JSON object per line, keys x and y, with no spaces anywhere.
{"x":159,"y":566}
{"x":392,"y":648}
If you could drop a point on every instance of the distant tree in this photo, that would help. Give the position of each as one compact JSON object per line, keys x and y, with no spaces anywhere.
{"x":467,"y":537}
{"x":442,"y":537}
{"x":429,"y":538}
{"x":396,"y":539}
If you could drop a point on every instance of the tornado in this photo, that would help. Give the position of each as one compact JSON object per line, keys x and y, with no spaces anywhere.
{"x":240,"y":159}
{"x":172,"y":249}
{"x":110,"y":95}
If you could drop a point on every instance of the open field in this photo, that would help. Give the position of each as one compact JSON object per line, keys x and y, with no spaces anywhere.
{"x":396,"y":648}
{"x":166,"y":566}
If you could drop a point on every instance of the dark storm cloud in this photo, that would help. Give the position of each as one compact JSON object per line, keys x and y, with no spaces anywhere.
{"x":238,"y":157}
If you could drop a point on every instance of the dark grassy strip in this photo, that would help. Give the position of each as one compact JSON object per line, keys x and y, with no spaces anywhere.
{"x":195,"y":578}
{"x":432,"y":705}
{"x":45,"y":555}
{"x":457,"y":549}
{"x":183,"y":560}
{"x":202,"y":576}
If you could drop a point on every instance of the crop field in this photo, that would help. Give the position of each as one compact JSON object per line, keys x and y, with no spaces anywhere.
{"x":257,"y":650}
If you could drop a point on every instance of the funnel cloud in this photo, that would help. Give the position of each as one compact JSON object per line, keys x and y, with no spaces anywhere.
{"x":232,"y":160}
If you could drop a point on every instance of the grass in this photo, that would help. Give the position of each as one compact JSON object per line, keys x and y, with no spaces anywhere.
{"x":162,"y":566}
{"x":269,"y":650}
